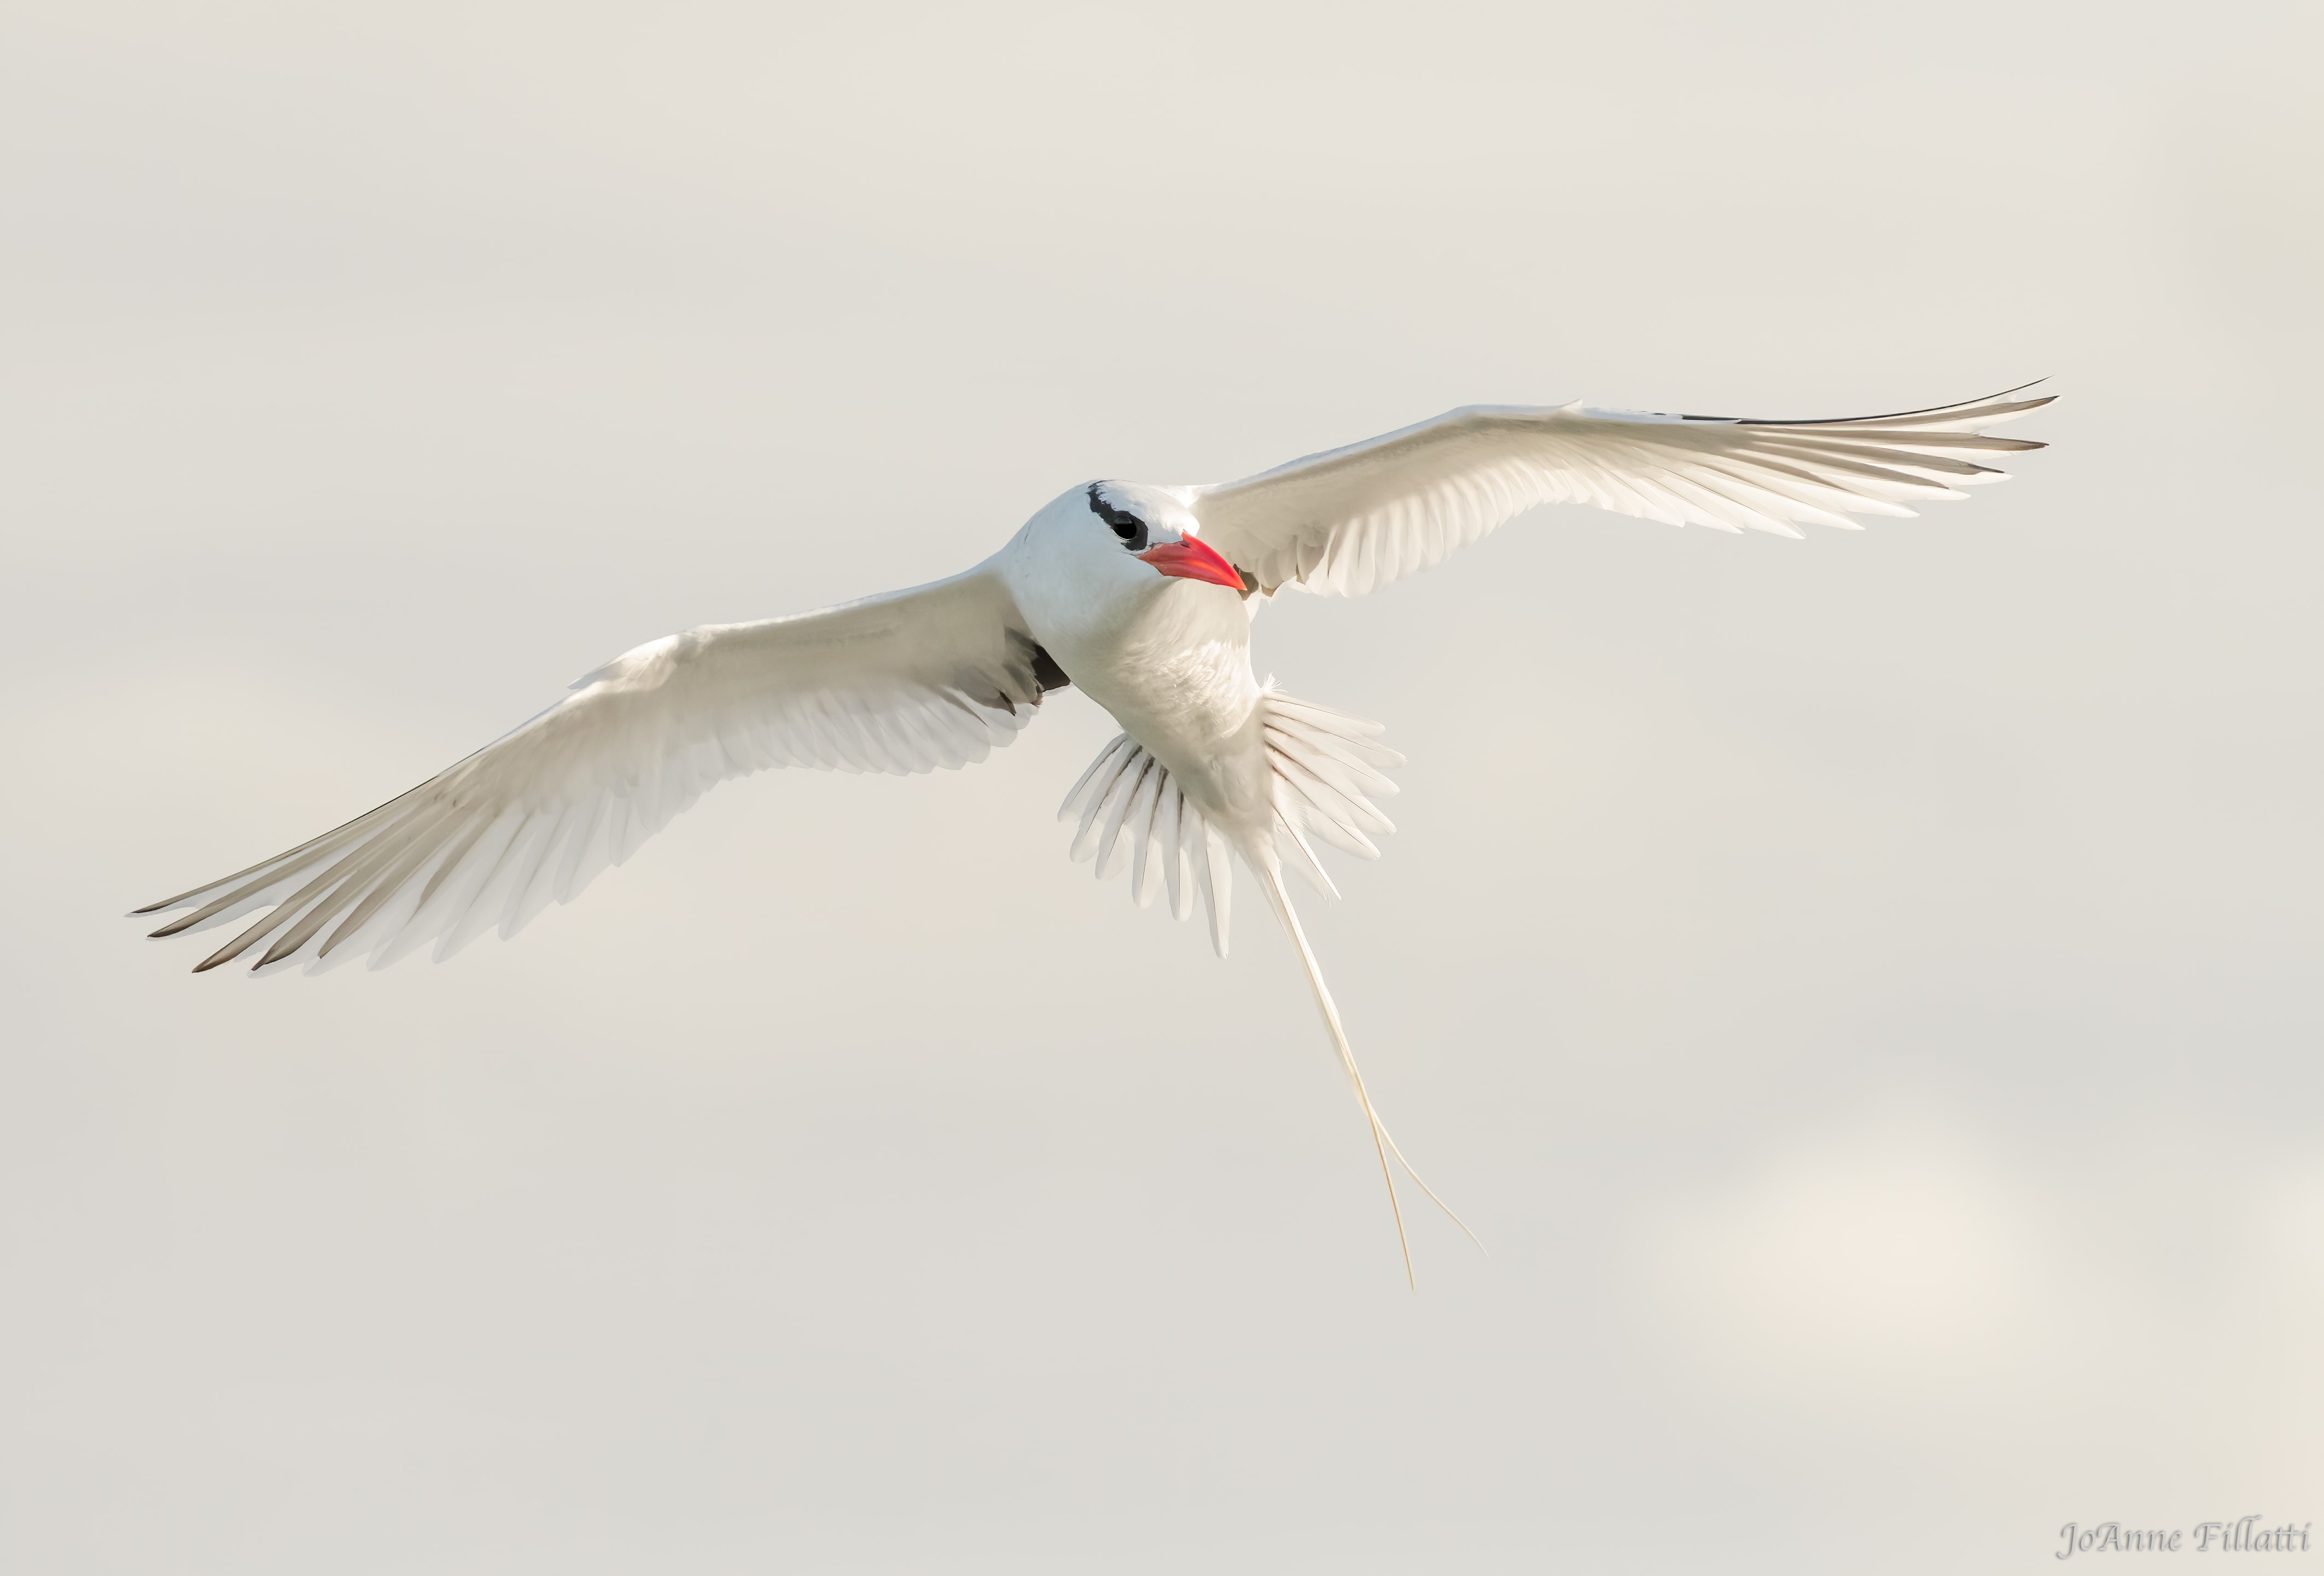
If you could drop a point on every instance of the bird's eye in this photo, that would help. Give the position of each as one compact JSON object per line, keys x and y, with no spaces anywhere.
{"x":1126,"y":525}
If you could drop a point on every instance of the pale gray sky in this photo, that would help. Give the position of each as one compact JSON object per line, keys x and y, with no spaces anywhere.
{"x":1864,"y":989}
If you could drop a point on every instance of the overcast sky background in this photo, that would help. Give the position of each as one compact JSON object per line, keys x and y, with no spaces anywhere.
{"x":1863,"y":989}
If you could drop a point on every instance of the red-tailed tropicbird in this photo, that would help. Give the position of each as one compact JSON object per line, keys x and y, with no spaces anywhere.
{"x":1141,"y":595}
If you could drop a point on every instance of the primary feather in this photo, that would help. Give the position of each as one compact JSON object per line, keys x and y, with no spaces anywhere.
{"x":936,"y":677}
{"x":1347,"y":521}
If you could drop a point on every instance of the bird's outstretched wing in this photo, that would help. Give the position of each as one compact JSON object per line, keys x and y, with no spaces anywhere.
{"x":1344,"y":522}
{"x":903,"y":683}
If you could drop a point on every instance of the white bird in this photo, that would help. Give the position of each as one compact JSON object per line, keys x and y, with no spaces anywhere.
{"x":1142,"y":595}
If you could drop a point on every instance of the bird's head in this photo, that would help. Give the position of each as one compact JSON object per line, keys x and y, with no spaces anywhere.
{"x":1128,"y":538}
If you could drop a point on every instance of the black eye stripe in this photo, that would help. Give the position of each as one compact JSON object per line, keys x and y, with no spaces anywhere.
{"x":1126,"y":525}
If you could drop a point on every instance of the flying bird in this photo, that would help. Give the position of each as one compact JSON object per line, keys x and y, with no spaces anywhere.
{"x":1141,"y":594}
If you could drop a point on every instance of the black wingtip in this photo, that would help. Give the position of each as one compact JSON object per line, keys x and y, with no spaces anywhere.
{"x":226,"y":953}
{"x":1887,"y":415}
{"x":2020,"y":389}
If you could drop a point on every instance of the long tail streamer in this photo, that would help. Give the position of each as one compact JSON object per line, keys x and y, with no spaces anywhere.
{"x":1382,"y":1143}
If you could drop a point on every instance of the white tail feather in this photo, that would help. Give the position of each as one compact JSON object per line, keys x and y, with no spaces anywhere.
{"x":1129,"y":794}
{"x":1133,"y":816}
{"x":1271,"y":879}
{"x":1327,"y":772}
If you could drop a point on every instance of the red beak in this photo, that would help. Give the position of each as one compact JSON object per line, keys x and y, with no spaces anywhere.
{"x":1191,"y":560}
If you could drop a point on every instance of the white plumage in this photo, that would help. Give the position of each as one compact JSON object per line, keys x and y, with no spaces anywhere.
{"x":1324,"y":773}
{"x":903,"y":683}
{"x":1139,"y":595}
{"x":1346,"y":521}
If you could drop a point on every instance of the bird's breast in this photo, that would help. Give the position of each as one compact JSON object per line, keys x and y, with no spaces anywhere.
{"x":1175,"y":674}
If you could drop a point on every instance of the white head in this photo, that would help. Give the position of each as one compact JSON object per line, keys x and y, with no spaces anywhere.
{"x":1106,"y":544}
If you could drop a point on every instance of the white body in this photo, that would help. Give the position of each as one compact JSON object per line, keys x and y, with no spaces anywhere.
{"x":1169,"y":659}
{"x":1143,"y":596}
